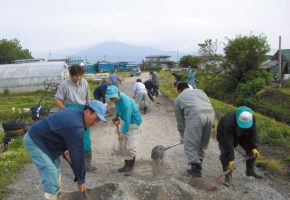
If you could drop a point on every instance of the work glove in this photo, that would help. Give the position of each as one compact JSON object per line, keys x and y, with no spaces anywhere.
{"x":231,"y":165}
{"x":255,"y":152}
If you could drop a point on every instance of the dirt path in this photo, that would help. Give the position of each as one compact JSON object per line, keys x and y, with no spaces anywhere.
{"x":149,"y":181}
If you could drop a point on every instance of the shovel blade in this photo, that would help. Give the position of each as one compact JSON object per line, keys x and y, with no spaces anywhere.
{"x":157,"y":152}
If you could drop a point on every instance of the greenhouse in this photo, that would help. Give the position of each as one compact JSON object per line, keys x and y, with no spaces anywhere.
{"x":31,"y":76}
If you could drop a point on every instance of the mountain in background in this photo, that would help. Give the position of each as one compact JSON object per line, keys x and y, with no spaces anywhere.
{"x":118,"y":51}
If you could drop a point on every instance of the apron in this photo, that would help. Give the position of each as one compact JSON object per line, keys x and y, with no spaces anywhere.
{"x":87,"y":139}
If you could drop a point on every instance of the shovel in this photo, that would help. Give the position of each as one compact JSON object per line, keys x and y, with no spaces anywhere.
{"x":122,"y":146}
{"x":210,"y":183}
{"x":157,"y":152}
{"x":85,"y":195}
{"x":228,"y":171}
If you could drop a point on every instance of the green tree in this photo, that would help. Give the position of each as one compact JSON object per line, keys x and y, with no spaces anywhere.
{"x":245,"y":53}
{"x":11,"y":50}
{"x":208,"y":48}
{"x":211,"y":69}
{"x":189,"y":60}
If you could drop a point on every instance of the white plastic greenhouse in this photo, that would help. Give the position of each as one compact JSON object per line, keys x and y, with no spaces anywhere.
{"x":31,"y":76}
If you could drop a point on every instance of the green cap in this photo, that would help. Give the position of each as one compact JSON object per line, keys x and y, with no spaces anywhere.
{"x":244,"y":116}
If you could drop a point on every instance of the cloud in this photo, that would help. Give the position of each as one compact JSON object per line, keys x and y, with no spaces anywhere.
{"x":45,"y":26}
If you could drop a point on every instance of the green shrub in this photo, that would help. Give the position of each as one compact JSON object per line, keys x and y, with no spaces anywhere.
{"x":15,"y":144}
{"x":258,"y":74}
{"x":248,"y":90}
{"x":254,"y":81}
{"x":2,"y":135}
{"x":180,"y":75}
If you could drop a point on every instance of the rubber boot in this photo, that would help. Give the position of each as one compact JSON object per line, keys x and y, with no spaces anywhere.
{"x":228,"y":180}
{"x":128,"y":167}
{"x":145,"y":109}
{"x":88,"y":162}
{"x":195,"y":170}
{"x":125,"y":167}
{"x":131,"y":164}
{"x":250,"y":168}
{"x":201,"y":160}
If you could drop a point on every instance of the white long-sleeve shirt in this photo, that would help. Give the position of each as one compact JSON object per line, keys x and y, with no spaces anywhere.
{"x":139,"y":87}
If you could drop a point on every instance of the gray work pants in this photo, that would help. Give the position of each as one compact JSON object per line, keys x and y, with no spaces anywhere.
{"x":196,"y":136}
{"x":141,"y":97}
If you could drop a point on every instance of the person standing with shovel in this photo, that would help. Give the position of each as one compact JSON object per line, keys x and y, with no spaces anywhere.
{"x":238,"y":127}
{"x":128,"y":112}
{"x":195,"y":117}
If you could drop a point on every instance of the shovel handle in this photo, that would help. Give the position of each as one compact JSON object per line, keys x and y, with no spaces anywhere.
{"x":86,"y":195}
{"x":172,"y":145}
{"x":217,"y":178}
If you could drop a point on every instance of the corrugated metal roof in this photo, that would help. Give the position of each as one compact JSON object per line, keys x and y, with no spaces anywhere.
{"x":285,"y":54}
{"x":158,"y":56}
{"x":269,"y":64}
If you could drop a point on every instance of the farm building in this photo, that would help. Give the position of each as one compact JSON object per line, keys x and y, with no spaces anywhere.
{"x":105,"y":66}
{"x":162,"y":61}
{"x":31,"y":76}
{"x":90,"y":68}
{"x":272,"y":65}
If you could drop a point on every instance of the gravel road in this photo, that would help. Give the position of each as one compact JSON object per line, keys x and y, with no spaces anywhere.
{"x":149,"y":181}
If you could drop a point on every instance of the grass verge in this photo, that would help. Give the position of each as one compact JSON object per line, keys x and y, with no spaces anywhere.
{"x":10,"y":162}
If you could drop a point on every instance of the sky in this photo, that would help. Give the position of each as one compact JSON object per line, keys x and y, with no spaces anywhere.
{"x":58,"y":26}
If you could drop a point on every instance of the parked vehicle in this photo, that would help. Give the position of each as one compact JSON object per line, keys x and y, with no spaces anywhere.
{"x":98,"y":78}
{"x":135,"y":71}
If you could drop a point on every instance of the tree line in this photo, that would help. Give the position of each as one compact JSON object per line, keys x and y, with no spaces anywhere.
{"x":235,"y":76}
{"x":11,"y":50}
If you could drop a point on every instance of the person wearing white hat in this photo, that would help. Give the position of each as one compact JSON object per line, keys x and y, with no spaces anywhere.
{"x":238,"y":128}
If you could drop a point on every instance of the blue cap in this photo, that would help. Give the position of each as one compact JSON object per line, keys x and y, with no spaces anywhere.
{"x":244,"y":116}
{"x":112,"y":92}
{"x":100,"y":109}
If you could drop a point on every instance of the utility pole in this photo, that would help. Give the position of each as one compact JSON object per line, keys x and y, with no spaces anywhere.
{"x":177,"y":57}
{"x":280,"y":63}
